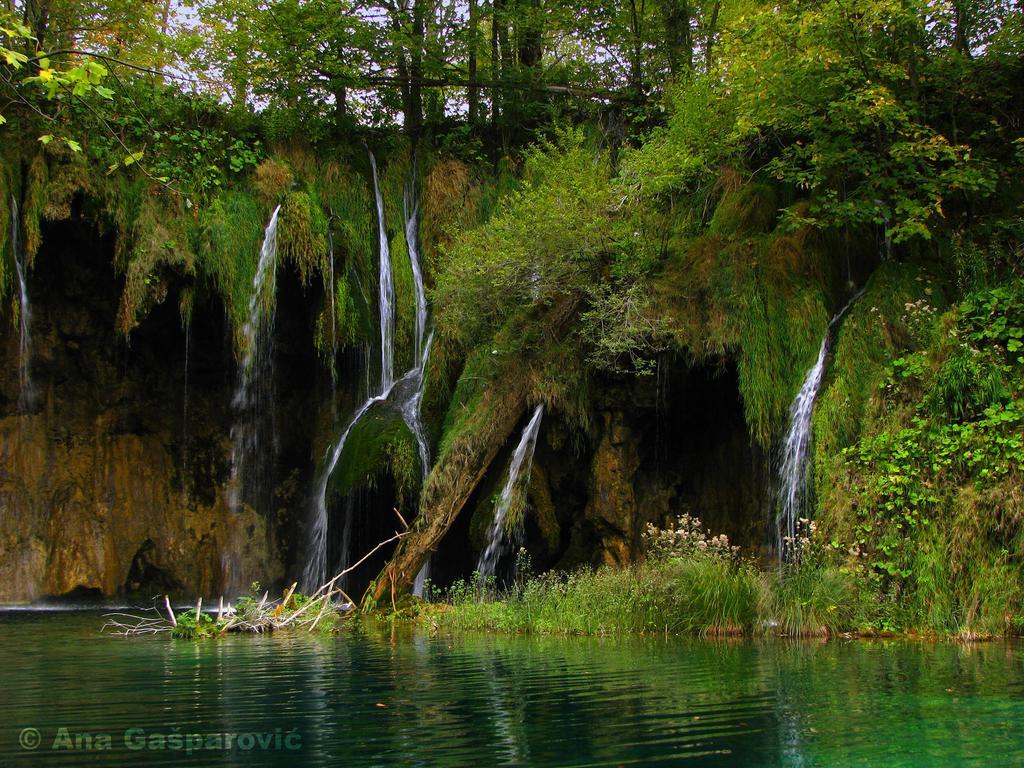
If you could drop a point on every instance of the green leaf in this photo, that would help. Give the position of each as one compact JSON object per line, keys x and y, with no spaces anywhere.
{"x":13,"y":58}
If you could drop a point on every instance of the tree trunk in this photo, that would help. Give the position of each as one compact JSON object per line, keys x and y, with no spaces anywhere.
{"x":340,"y":104}
{"x":414,"y":114}
{"x":37,"y":18}
{"x":473,"y":92}
{"x":530,"y":35}
{"x":961,"y":30}
{"x":508,"y":107}
{"x":463,"y":465}
{"x":709,"y":37}
{"x":678,"y":37}
{"x":497,"y":12}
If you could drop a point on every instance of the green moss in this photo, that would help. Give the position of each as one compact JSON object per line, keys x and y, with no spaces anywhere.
{"x":379,"y":444}
{"x":229,"y":234}
{"x":749,"y":290}
{"x":782,"y":323}
{"x":345,"y":197}
{"x":749,"y":210}
{"x":153,"y":247}
{"x":873,"y":333}
{"x":302,"y":236}
{"x":34,"y":204}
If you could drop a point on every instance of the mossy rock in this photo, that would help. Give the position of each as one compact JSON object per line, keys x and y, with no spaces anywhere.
{"x":380,"y":443}
{"x":751,"y":209}
{"x":302,"y":236}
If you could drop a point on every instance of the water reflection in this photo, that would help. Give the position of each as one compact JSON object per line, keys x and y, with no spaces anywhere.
{"x":395,"y":697}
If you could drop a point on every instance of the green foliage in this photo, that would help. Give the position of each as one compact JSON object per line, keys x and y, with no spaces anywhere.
{"x":545,"y":241}
{"x":881,"y":326}
{"x":202,"y":159}
{"x":815,"y":598}
{"x":698,"y":596}
{"x":927,"y":497}
{"x":192,"y":627}
{"x":836,"y":88}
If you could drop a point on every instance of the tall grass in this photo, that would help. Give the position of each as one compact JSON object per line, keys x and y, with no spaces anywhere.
{"x":679,"y":596}
{"x":691,"y":583}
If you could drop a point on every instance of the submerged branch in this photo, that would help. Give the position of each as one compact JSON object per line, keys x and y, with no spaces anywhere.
{"x":247,"y":614}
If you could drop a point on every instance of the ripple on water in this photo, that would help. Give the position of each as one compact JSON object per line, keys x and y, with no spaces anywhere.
{"x":372,"y":698}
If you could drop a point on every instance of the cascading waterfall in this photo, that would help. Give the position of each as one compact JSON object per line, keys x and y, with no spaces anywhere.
{"x":498,"y":542}
{"x":794,"y":468}
{"x":253,"y":396}
{"x":411,"y":207}
{"x":411,"y":409}
{"x":407,"y":392}
{"x":26,"y":392}
{"x":386,"y":299}
{"x":316,"y":561}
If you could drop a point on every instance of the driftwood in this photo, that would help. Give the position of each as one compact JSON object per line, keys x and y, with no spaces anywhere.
{"x":170,"y":611}
{"x":263,"y":616}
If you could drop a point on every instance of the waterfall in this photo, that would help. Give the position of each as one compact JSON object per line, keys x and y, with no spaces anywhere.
{"x":794,"y":467}
{"x":406,"y":393}
{"x":420,"y":583}
{"x":386,"y":300}
{"x":26,"y":392}
{"x":522,"y":460}
{"x":316,"y":561}
{"x":411,"y":410}
{"x":411,"y":208}
{"x":253,"y":396}
{"x":412,"y":416}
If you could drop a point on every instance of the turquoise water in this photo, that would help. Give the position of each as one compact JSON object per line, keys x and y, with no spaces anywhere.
{"x":408,"y":698}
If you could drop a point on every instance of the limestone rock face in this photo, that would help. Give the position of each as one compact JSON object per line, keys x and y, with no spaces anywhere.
{"x":107,"y":490}
{"x":106,"y":513}
{"x":612,"y":507}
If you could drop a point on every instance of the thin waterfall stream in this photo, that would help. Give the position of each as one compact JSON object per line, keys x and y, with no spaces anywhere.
{"x":386,"y":298}
{"x":499,"y":541}
{"x":253,"y":395}
{"x":26,"y":391}
{"x":794,"y":468}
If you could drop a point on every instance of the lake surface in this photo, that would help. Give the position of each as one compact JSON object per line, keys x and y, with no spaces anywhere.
{"x":382,"y":697}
